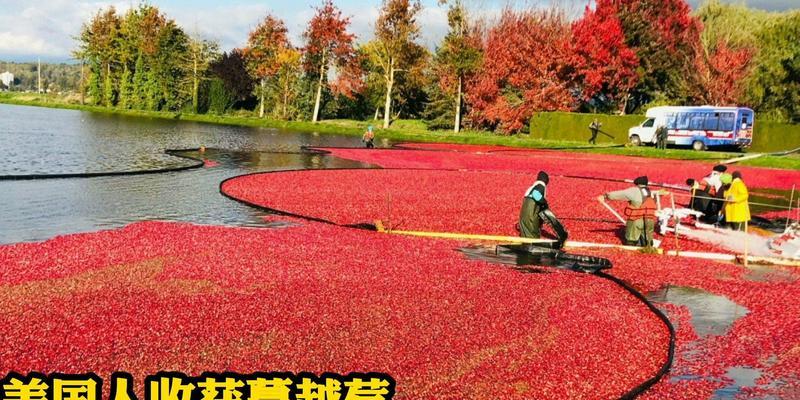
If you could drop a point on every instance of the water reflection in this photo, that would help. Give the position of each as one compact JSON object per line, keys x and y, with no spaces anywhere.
{"x":38,"y":140}
{"x":41,"y":141}
{"x":711,"y":314}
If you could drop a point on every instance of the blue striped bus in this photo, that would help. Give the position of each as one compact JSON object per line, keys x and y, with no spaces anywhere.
{"x":700,"y":127}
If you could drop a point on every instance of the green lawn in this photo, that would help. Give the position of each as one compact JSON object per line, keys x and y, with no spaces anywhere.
{"x":407,"y":130}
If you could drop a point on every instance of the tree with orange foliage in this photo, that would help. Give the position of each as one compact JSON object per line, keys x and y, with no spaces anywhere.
{"x":605,"y":66}
{"x":98,"y":45}
{"x":264,"y":45}
{"x":329,"y":44}
{"x":526,"y":68}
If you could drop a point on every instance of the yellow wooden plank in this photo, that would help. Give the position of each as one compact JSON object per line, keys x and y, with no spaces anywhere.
{"x":468,"y":236}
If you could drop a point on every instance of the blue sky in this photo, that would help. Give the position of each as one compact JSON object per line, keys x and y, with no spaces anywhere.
{"x":45,"y":29}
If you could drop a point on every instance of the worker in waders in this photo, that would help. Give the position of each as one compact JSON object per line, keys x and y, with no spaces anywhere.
{"x":640,"y":212}
{"x":534,"y":201}
{"x":661,"y":137}
{"x":594,"y":127}
{"x":368,"y":138}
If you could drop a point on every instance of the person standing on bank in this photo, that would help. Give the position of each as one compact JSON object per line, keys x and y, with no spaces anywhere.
{"x":661,"y":137}
{"x":534,"y":201}
{"x":368,"y":138}
{"x":640,"y":212}
{"x":595,"y":128}
{"x":737,"y":208}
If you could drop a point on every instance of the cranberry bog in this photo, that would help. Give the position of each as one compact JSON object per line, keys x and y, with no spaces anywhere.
{"x":326,"y":293}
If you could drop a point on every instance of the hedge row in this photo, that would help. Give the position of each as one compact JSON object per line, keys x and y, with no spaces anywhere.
{"x":769,"y":136}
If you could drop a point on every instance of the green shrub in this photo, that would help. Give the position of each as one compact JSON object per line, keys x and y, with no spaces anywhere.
{"x":575,"y":126}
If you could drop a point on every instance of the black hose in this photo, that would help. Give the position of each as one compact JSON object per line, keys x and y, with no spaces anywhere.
{"x":577,"y":259}
{"x":172,"y":152}
{"x":665,"y":367}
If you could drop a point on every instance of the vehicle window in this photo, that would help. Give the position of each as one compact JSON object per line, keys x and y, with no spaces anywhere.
{"x":698,"y":120}
{"x":672,"y":121}
{"x":648,"y":123}
{"x":683,"y":120}
{"x":746,"y":120}
{"x":726,"y":121}
{"x":712,"y":122}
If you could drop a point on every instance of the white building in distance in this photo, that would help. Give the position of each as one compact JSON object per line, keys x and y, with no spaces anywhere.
{"x":7,"y":78}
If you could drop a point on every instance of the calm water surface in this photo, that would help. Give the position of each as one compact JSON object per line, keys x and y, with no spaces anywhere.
{"x":51,"y":141}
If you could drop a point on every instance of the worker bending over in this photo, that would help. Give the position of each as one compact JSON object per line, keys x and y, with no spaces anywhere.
{"x":530,"y":223}
{"x":707,"y":195}
{"x":640,"y":212}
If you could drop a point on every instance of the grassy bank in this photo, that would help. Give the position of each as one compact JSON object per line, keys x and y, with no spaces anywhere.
{"x":402,"y":130}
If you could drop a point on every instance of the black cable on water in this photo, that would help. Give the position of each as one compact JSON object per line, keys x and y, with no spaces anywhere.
{"x":665,"y":367}
{"x":630,"y":394}
{"x":172,"y":152}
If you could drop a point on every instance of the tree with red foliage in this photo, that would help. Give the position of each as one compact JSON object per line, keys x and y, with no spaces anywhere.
{"x":264,"y":45}
{"x":663,"y":34}
{"x":526,"y":68}
{"x":605,"y":66}
{"x":720,"y":73}
{"x":329,"y":43}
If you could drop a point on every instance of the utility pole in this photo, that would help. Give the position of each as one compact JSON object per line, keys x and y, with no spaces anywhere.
{"x":81,"y":87}
{"x":39,"y":73}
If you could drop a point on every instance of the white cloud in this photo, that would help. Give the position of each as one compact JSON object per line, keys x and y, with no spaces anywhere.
{"x":46,"y":30}
{"x":18,"y":43}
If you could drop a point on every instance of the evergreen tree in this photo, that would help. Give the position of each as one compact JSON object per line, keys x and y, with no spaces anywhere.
{"x":151,"y":90}
{"x":125,"y":89}
{"x":108,"y":89}
{"x":139,"y":85}
{"x":94,"y":87}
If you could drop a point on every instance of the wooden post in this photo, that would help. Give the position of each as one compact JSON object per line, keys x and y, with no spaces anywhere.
{"x":791,"y":200}
{"x":677,"y":221}
{"x":746,"y":243}
{"x":39,"y":74}
{"x":389,"y":211}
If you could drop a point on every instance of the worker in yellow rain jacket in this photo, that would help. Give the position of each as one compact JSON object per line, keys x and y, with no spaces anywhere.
{"x":737,"y":208}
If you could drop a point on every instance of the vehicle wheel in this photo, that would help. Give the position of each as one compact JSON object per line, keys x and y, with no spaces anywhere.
{"x":698,"y":145}
{"x":636,"y":141}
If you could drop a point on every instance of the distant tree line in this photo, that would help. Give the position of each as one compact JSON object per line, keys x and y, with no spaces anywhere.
{"x":56,"y":78}
{"x":620,"y":56}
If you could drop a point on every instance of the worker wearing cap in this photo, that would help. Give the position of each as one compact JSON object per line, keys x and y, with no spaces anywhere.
{"x":737,"y":208}
{"x":640,"y":212}
{"x":534,"y":201}
{"x":708,"y":194}
{"x":712,"y":181}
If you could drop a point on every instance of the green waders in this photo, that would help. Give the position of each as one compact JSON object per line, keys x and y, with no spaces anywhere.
{"x":530,"y":225}
{"x":640,"y":232}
